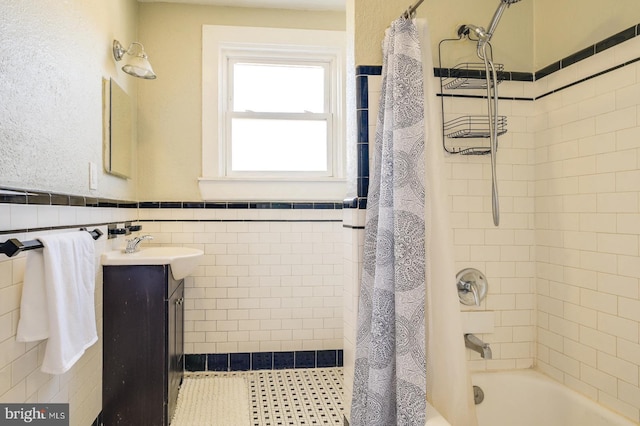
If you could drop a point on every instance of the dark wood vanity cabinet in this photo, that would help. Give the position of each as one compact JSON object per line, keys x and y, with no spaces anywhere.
{"x":143,"y":352}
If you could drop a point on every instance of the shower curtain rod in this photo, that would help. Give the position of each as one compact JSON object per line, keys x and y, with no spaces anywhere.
{"x":412,"y":10}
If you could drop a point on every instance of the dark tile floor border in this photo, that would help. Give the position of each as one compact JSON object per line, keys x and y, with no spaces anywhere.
{"x":248,"y":361}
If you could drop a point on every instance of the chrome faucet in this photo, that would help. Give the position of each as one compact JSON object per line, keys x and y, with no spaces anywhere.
{"x":473,"y":343}
{"x":132,"y":244}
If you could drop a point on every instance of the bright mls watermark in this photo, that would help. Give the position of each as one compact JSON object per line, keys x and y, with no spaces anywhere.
{"x":34,"y":414}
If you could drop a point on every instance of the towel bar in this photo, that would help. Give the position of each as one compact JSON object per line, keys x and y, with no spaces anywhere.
{"x":13,"y":246}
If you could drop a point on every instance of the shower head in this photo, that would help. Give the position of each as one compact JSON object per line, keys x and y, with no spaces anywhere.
{"x":480,"y":33}
{"x":497,"y":15}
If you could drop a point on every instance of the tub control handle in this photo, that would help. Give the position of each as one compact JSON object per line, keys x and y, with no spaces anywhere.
{"x":472,"y":286}
{"x":469,"y":287}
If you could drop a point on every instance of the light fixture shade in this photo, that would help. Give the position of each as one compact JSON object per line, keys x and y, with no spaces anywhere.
{"x":139,"y":66}
{"x":136,"y":64}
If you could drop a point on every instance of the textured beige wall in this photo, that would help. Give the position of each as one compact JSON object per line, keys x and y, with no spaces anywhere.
{"x":513,"y":41}
{"x":559,"y":28}
{"x":53,"y":57}
{"x":565,"y":27}
{"x":170,"y":122}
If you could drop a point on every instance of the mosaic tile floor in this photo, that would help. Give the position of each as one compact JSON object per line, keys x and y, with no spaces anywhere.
{"x":298,"y":397}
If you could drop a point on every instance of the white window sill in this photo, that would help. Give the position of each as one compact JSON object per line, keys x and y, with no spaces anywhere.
{"x":266,"y":189}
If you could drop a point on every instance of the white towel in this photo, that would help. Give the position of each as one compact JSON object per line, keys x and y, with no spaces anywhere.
{"x":58,"y":299}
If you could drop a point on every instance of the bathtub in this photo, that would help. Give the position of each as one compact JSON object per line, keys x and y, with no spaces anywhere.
{"x":529,"y":398}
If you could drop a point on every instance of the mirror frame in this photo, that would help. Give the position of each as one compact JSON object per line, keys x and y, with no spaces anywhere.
{"x":117,"y":150}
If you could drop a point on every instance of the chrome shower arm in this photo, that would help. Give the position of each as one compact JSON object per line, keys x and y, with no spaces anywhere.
{"x":496,"y":18}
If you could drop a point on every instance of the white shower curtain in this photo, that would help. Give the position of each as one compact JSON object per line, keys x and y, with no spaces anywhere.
{"x":402,"y":350}
{"x":449,"y":387}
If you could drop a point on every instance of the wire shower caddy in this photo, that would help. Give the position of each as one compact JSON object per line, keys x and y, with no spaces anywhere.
{"x":467,"y":134}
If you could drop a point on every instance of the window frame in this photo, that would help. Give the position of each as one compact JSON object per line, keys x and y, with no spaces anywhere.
{"x":222,"y":43}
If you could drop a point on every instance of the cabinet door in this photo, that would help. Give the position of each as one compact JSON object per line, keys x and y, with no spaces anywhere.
{"x":175,"y":346}
{"x":134,"y":345}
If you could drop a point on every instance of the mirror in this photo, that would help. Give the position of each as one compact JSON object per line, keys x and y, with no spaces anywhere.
{"x":118,"y":129}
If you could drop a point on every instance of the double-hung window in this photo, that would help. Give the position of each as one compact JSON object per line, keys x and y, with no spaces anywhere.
{"x":278,"y":118}
{"x":272,"y":114}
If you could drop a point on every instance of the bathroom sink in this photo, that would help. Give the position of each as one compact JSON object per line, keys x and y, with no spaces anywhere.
{"x":183,"y":260}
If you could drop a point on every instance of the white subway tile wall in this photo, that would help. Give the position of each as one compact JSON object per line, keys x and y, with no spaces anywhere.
{"x":353,"y":234}
{"x":270,"y":279}
{"x":587,"y":232}
{"x":506,"y":253}
{"x":20,"y":377}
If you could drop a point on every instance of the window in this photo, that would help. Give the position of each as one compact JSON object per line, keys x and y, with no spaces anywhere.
{"x":272,"y":114}
{"x":278,"y":117}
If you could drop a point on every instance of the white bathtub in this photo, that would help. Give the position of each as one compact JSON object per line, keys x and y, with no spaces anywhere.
{"x":529,"y":398}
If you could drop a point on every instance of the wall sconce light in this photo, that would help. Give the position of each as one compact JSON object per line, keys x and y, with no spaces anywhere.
{"x":138,"y":64}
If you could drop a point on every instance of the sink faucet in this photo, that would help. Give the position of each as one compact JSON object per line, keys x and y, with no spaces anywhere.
{"x":473,"y":343}
{"x":132,"y":244}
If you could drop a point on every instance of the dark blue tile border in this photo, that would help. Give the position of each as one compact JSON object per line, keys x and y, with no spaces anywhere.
{"x":362,"y":92}
{"x":246,"y":361}
{"x":588,"y":78}
{"x":236,"y":205}
{"x":29,"y":197}
{"x":283,"y":360}
{"x":193,"y":205}
{"x":368,"y":70}
{"x":305,"y":359}
{"x":171,"y":204}
{"x":363,"y":137}
{"x":521,"y":76}
{"x":363,"y":160}
{"x":362,"y":116}
{"x":149,"y":205}
{"x":218,"y":362}
{"x":504,"y":75}
{"x":616,"y":39}
{"x":578,"y":56}
{"x":240,"y":361}
{"x":326,"y":358}
{"x":550,"y":69}
{"x":262,"y":361}
{"x":363,"y":187}
{"x":195,"y":362}
{"x":215,"y":205}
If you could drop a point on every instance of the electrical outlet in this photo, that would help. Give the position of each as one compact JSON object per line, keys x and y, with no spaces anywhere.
{"x":93,"y":175}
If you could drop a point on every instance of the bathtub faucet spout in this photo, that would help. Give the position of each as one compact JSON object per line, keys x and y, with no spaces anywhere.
{"x":473,"y":343}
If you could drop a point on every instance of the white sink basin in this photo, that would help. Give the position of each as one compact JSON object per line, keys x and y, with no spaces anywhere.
{"x":183,"y":260}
